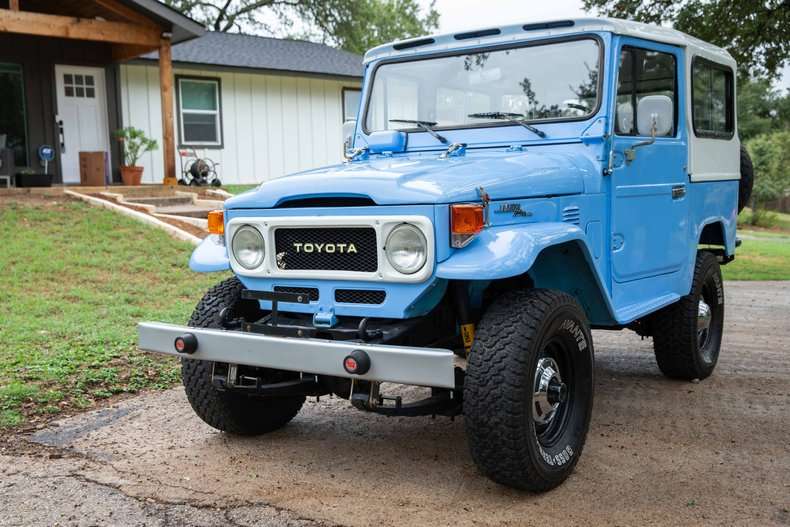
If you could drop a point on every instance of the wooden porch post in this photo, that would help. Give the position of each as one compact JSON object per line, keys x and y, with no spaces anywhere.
{"x":166,"y":87}
{"x":13,"y":5}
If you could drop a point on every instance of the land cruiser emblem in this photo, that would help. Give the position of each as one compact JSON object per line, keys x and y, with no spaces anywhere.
{"x":329,"y":248}
{"x":514,"y":209}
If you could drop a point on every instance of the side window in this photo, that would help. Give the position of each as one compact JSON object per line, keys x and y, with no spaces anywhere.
{"x":712,"y":108}
{"x":351,"y":98}
{"x":199,"y":111}
{"x":643,"y":72}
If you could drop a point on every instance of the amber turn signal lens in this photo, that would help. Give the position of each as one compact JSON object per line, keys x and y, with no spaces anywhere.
{"x":216,"y":222}
{"x":466,"y":219}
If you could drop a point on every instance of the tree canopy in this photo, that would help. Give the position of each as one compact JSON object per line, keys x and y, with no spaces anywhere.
{"x":755,"y":32}
{"x":353,"y":25}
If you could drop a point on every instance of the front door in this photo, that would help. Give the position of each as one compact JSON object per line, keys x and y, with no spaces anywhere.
{"x":649,"y":204}
{"x":81,"y":121}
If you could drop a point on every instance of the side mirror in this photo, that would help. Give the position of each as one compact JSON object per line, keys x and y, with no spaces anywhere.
{"x":655,"y":116}
{"x":387,"y":141}
{"x":348,"y":134}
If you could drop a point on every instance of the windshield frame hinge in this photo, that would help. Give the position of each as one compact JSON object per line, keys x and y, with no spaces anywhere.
{"x":454,"y":150}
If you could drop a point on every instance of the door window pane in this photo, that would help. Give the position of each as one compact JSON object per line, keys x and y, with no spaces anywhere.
{"x":712,"y":99}
{"x":642,"y":72}
{"x":13,"y":120}
{"x":350,"y":103}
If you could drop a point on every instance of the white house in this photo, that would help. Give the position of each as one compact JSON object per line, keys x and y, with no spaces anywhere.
{"x":260,"y":107}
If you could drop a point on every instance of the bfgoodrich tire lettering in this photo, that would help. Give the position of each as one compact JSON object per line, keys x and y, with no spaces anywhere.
{"x":227,"y":411}
{"x":516,"y":336}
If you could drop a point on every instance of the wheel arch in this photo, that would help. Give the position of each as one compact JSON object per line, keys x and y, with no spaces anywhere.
{"x":554,"y":256}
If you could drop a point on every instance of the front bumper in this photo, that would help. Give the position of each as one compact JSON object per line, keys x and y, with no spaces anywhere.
{"x":399,"y":364}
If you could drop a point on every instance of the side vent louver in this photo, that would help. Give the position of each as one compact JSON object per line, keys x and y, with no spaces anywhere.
{"x":571,"y":215}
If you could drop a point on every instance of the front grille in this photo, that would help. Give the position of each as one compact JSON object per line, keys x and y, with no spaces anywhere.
{"x":359,"y":296}
{"x":310,"y":292}
{"x":327,"y":249}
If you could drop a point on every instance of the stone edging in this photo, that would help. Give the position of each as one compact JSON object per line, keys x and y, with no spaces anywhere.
{"x":172,"y":230}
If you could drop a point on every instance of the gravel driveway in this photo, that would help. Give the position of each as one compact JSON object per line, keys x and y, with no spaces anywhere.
{"x":658,"y":452}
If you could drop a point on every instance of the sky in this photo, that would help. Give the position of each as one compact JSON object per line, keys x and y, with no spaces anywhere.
{"x":466,"y":14}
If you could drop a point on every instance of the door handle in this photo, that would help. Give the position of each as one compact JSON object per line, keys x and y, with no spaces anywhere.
{"x":61,"y":136}
{"x":678,"y":191}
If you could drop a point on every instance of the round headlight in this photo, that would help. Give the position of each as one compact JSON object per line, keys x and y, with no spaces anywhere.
{"x":406,"y":249}
{"x":247,"y":247}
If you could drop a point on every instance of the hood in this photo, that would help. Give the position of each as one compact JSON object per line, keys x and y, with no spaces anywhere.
{"x":426,"y":179}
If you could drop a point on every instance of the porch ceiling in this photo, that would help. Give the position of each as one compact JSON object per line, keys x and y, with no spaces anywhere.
{"x":133,"y":26}
{"x":95,"y":9}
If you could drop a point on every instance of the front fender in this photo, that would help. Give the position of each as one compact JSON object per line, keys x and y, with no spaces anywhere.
{"x":210,"y":256}
{"x":509,"y":250}
{"x":556,"y":256}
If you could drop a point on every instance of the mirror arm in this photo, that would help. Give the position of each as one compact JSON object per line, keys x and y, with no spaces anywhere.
{"x":630,"y":153}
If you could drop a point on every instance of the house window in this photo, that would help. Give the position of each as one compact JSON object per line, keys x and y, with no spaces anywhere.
{"x":82,"y":86}
{"x":200,"y":112}
{"x":13,"y":117}
{"x":712,"y":99}
{"x":643,"y":72}
{"x":351,"y":98}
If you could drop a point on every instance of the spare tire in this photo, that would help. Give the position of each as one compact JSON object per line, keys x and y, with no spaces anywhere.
{"x":747,"y":179}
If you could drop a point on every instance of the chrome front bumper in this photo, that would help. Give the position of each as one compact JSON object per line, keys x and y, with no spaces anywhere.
{"x":399,"y":364}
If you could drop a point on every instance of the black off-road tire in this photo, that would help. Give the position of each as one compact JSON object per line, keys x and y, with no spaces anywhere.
{"x":676,"y":338}
{"x":747,"y":179}
{"x":230,"y":412}
{"x":516,"y":332}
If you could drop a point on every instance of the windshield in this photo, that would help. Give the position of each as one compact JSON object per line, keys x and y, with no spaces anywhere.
{"x":540,"y":82}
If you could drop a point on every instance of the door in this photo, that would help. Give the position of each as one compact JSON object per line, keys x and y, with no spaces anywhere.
{"x":81,"y":120}
{"x":649,"y":182}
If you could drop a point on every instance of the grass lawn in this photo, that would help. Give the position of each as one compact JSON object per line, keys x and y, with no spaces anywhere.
{"x":74,"y":281}
{"x":238,"y":189}
{"x":767,"y":257}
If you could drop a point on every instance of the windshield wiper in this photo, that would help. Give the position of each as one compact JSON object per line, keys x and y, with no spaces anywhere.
{"x":424,"y":125}
{"x":516,"y":118}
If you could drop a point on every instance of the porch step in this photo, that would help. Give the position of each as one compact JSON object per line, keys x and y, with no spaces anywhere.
{"x":193,"y":211}
{"x":161,"y":201}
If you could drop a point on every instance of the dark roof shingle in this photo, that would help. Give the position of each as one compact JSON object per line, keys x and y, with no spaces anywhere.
{"x":264,"y":53}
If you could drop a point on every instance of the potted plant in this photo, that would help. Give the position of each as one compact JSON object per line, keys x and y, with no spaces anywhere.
{"x":134,"y":144}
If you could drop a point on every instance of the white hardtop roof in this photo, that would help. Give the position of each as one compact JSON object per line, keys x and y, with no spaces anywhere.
{"x":553,"y":28}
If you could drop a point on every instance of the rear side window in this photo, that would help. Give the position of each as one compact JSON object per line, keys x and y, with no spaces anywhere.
{"x":643,"y":72}
{"x":712,"y":99}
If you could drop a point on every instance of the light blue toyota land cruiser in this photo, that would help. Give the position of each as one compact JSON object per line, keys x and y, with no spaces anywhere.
{"x":504,"y":191}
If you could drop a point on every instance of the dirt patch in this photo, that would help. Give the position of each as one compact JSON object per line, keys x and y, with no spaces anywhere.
{"x":659,"y":452}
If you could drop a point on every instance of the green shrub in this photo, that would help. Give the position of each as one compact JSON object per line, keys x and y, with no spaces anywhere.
{"x":770,"y":155}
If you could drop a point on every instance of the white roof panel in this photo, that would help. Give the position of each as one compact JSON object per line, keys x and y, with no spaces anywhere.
{"x":516,"y":33}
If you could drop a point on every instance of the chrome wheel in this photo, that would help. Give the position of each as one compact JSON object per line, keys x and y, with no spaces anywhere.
{"x":549,"y":391}
{"x":704,"y":317}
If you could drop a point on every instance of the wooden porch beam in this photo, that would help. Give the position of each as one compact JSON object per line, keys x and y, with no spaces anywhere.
{"x":57,"y":26}
{"x":166,"y":89}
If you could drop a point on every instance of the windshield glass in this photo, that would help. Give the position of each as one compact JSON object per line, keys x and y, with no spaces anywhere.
{"x":544,"y":82}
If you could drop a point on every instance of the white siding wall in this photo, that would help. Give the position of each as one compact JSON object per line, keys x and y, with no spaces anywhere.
{"x":272,"y":125}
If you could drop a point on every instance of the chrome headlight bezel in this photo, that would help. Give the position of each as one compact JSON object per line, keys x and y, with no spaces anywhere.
{"x":420,"y":252}
{"x":256,"y":237}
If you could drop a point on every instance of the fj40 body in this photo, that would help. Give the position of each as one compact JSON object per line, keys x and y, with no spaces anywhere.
{"x":504,"y":192}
